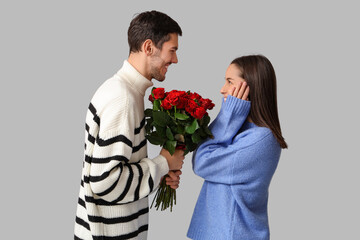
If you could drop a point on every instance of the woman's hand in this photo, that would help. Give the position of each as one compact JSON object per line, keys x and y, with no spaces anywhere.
{"x":241,"y":91}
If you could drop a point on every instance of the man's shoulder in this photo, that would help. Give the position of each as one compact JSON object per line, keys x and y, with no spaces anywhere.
{"x":110,"y":90}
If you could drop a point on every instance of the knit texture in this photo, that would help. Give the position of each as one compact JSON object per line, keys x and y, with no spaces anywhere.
{"x":237,"y":166}
{"x":117,"y":176}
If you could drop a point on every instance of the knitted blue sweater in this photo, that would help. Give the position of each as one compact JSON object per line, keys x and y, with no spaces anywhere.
{"x":237,"y":166}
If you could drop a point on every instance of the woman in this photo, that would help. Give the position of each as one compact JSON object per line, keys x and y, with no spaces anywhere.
{"x":239,"y":162}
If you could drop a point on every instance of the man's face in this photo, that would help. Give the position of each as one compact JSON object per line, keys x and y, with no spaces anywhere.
{"x":161,"y":59}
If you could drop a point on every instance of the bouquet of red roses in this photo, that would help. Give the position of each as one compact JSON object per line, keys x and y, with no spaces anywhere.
{"x":178,"y":120}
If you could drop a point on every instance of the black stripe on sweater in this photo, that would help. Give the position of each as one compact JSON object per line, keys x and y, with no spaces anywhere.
{"x":142,"y":124}
{"x":82,"y":223}
{"x":90,"y":137}
{"x":82,"y":203}
{"x":102,"y":202}
{"x":112,"y":187}
{"x":125,"y":236}
{"x":151,"y":183}
{"x":124,"y":219}
{"x":105,"y":174}
{"x":141,"y":174}
{"x":107,"y":142}
{"x":99,"y":201}
{"x":96,"y":118}
{"x":120,"y":158}
{"x":88,"y":159}
{"x":128,"y":184}
{"x":137,"y":148}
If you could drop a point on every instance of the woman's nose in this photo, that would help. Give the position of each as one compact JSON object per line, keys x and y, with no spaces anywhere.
{"x":223,"y":89}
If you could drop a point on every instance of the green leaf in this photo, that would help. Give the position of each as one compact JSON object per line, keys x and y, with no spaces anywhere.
{"x":192,"y":128}
{"x":207,"y":131}
{"x":148,"y":112}
{"x":155,"y":139}
{"x":206,"y":120}
{"x":181,"y":116}
{"x":170,"y":146}
{"x":161,"y":131}
{"x":190,"y":146}
{"x":169,"y":134}
{"x":161,"y":118}
{"x":180,"y":129}
{"x":202,"y":132}
{"x":156,"y":105}
{"x":149,"y":126}
{"x":196,"y":138}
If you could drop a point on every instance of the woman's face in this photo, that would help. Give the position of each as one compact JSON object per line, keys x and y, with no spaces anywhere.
{"x":232,"y":80}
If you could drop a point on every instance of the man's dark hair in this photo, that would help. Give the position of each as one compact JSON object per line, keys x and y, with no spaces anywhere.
{"x":152,"y":25}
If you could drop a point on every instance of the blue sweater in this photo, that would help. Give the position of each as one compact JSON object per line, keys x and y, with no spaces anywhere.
{"x":237,"y":166}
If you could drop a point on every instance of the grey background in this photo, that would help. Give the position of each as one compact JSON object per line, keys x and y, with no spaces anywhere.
{"x":54,"y":55}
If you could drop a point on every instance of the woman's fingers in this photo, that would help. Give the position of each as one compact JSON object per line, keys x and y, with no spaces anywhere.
{"x":241,"y":90}
{"x":246,"y":94}
{"x":236,"y":91}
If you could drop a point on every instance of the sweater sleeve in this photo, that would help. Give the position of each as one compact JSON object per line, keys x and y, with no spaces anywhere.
{"x":251,"y":158}
{"x":112,"y":177}
{"x":213,"y":158}
{"x":231,"y":117}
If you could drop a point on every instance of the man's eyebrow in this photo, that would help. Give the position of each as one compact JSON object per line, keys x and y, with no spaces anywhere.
{"x":175,"y":48}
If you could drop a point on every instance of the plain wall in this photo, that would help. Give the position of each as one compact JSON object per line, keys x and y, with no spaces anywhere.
{"x":54,"y":55}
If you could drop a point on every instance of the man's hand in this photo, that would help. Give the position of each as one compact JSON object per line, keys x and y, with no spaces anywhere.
{"x":173,"y":180}
{"x":175,"y":161}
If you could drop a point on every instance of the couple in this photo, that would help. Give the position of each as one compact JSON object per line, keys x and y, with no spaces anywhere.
{"x":237,"y":165}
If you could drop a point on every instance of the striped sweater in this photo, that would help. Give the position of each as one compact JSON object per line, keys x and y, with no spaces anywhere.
{"x":117,"y":176}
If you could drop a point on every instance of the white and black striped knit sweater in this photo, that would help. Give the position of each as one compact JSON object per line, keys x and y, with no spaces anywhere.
{"x":117,"y":176}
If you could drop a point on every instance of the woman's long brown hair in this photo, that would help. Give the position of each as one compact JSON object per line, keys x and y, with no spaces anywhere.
{"x":260,"y":76}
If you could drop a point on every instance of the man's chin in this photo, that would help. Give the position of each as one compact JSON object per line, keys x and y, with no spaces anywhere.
{"x":160,"y":79}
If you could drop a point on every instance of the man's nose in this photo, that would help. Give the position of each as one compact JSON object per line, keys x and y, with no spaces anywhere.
{"x":175,"y":59}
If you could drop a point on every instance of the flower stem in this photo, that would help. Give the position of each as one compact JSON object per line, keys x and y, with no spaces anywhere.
{"x":165,"y":197}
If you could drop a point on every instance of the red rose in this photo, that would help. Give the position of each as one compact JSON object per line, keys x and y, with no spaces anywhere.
{"x":182,"y":103}
{"x":191,"y":106}
{"x":199,"y":112}
{"x":181,"y":147}
{"x":194,"y":96}
{"x":151,"y":99}
{"x":166,"y":104}
{"x":159,"y":93}
{"x":206,"y":103}
{"x":174,"y":97}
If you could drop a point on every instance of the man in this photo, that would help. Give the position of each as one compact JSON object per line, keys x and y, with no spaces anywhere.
{"x":117,"y":176}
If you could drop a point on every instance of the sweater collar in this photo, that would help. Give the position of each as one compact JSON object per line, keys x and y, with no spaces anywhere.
{"x":131,"y":75}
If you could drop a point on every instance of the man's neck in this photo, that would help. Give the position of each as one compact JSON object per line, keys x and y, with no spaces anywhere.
{"x":139,"y":63}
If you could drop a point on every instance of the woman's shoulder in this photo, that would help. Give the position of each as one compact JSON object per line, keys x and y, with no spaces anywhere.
{"x":252,"y":135}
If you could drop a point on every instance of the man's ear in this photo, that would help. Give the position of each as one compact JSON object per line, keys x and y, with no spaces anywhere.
{"x":148,"y":47}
